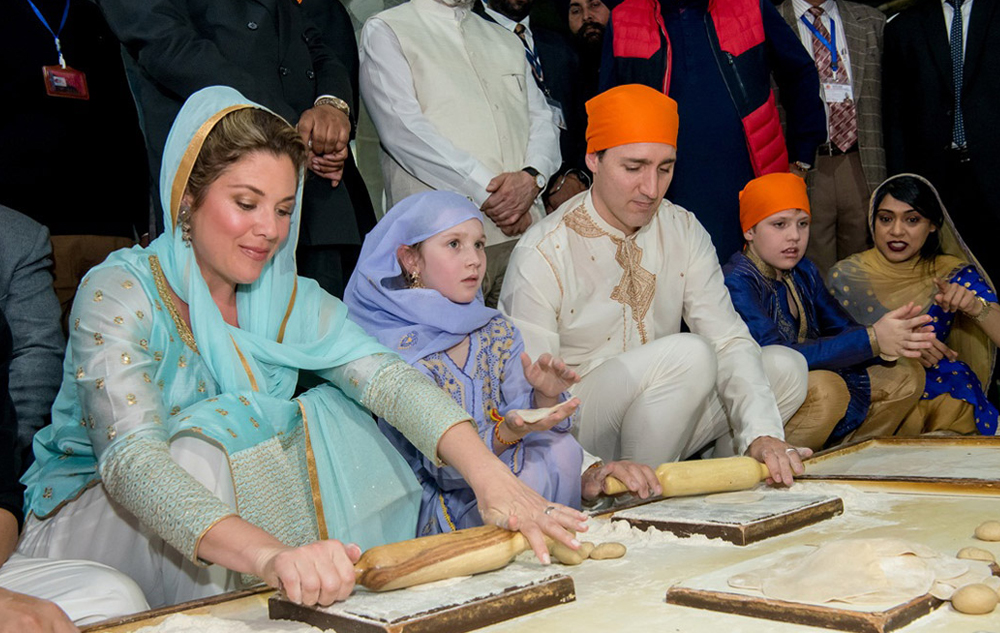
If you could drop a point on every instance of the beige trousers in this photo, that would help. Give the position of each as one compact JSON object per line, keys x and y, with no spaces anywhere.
{"x":838,"y":198}
{"x":896,"y":390}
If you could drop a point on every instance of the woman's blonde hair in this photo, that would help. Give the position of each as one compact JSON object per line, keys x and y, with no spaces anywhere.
{"x":237,"y":135}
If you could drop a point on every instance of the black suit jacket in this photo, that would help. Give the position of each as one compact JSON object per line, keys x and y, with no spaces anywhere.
{"x":561,"y":70}
{"x":269,"y":50}
{"x":918,"y":98}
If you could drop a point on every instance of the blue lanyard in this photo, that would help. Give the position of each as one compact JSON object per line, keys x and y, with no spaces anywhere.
{"x":830,"y":44}
{"x":55,"y":34}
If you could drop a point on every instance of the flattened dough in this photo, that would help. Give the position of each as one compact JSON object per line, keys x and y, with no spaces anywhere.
{"x":860,"y":571}
{"x":740,"y":496}
{"x":532,"y":416}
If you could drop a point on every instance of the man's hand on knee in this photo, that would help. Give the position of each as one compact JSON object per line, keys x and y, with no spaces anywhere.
{"x":783,"y":460}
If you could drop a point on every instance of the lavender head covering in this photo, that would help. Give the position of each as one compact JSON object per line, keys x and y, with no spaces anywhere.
{"x":413,"y":322}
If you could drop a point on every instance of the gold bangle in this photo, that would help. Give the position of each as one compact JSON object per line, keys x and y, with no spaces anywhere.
{"x":496,"y":436}
{"x":985,"y":312}
{"x":339,"y":104}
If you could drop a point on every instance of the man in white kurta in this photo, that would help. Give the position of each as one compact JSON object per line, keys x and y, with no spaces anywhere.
{"x":604,"y":283}
{"x":457,"y":108}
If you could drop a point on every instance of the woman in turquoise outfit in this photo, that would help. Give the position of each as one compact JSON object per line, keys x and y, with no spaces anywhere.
{"x":176,"y":443}
{"x":920,"y":258}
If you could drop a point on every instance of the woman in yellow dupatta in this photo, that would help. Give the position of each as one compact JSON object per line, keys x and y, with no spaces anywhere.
{"x":920,"y":258}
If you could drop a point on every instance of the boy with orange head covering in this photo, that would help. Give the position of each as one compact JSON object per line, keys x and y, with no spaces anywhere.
{"x":604,"y":283}
{"x":853,"y":393}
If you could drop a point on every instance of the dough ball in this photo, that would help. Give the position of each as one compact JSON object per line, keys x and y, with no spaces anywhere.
{"x":989,"y":531}
{"x":608,"y":550}
{"x":740,"y":497}
{"x":975,"y":553}
{"x":565,"y":555}
{"x":974,"y":599}
{"x":586,"y":548}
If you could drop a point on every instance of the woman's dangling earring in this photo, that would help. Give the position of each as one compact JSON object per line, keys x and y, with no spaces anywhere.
{"x":184,"y":220}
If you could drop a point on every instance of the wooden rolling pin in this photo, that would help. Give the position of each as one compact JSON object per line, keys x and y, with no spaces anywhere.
{"x":702,"y":476}
{"x":431,"y":558}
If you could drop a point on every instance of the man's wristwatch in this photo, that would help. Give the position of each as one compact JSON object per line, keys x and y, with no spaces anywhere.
{"x":802,"y":165}
{"x":539,"y":179}
{"x":340,"y":104}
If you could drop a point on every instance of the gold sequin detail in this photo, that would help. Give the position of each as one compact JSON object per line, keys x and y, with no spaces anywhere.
{"x":98,"y":296}
{"x":185,"y":418}
{"x":119,"y":320}
{"x":157,"y":356}
{"x":146,"y":377}
{"x":254,"y":423}
{"x":212,"y":400}
{"x":99,"y":383}
{"x":76,"y":324}
{"x":140,"y":314}
{"x":79,"y":373}
{"x":174,"y":410}
{"x":160,"y":384}
{"x":90,"y":421}
{"x":144,"y":344}
{"x":222,"y":412}
{"x":164,"y":290}
{"x":243,"y":399}
{"x":127,"y":285}
{"x":126,"y":359}
{"x":112,"y":433}
{"x":182,"y":362}
{"x":232,"y":432}
{"x":98,"y":339}
{"x":157,"y":305}
{"x":201,"y":386}
{"x":86,"y":281}
{"x":130,"y":398}
{"x":83,"y":422}
{"x":47,"y":493}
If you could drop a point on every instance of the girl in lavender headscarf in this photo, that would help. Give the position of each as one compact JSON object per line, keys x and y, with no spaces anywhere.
{"x":417,"y":289}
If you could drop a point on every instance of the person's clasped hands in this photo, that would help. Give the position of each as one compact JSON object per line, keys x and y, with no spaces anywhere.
{"x":326,"y":132}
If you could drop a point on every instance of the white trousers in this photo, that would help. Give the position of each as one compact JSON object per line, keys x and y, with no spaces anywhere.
{"x":96,"y":528}
{"x":658,"y":403}
{"x":86,"y":591}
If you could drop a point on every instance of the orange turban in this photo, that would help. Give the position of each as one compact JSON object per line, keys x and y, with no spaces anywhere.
{"x":770,"y":194}
{"x":630,"y":114}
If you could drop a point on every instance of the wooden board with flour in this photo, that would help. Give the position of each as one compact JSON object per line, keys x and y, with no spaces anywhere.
{"x":965,"y":465}
{"x":449,"y":606}
{"x":741,"y":518}
{"x":714,"y":592}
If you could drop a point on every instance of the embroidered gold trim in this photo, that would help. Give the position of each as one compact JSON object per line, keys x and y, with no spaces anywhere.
{"x":288,"y":312}
{"x":246,"y":366}
{"x":771,"y":273}
{"x":313,"y":477}
{"x":189,"y":158}
{"x":444,"y":510}
{"x":637,"y":285}
{"x":163,"y":288}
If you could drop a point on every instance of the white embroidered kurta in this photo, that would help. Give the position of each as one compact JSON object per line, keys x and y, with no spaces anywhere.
{"x":580,"y":289}
{"x":454,"y":103}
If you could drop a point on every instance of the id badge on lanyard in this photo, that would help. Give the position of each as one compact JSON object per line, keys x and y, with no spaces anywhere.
{"x":61,"y":80}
